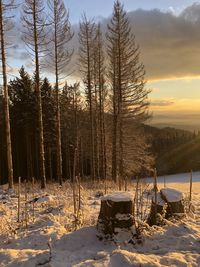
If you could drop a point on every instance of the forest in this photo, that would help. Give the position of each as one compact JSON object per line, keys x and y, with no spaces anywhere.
{"x":53,"y":129}
{"x":57,"y":130}
{"x":85,"y":179}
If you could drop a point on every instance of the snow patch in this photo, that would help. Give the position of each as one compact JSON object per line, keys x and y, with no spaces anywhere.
{"x":172,"y":195}
{"x":122,"y":217}
{"x":118,"y":197}
{"x":175,"y":244}
{"x":44,"y":199}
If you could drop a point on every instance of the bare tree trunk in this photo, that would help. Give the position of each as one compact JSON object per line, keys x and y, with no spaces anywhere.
{"x":58,"y":127}
{"x":39,"y":103}
{"x":27,"y":155}
{"x":114,"y":134}
{"x":6,"y":102}
{"x":86,"y":38}
{"x":120,"y":106}
{"x":121,"y":150}
{"x":101,"y":117}
{"x":50,"y":163}
{"x":74,"y":181}
{"x":97,"y":159}
{"x":81,"y":158}
{"x":31,"y":158}
{"x":61,"y":56}
{"x":104,"y":150}
{"x":101,"y":147}
{"x":37,"y":171}
{"x":33,"y":20}
{"x":92,"y":155}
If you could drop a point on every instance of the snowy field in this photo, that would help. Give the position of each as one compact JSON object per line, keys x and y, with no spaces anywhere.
{"x":50,"y":238}
{"x":177,"y":178}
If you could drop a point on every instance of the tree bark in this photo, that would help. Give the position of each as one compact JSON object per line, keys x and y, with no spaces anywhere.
{"x":58,"y":127}
{"x":114,"y":134}
{"x":6,"y":102}
{"x":92,"y":163}
{"x":87,"y":43}
{"x":50,"y":163}
{"x":39,"y":102}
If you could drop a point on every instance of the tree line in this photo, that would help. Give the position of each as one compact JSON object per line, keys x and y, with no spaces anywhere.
{"x":92,"y":128}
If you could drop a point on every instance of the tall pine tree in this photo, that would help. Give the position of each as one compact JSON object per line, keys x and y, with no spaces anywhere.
{"x":5,"y":8}
{"x":126,"y":75}
{"x":33,"y":20}
{"x":60,"y":56}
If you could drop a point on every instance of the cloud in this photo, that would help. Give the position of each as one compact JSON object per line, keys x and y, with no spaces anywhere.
{"x":177,"y":106}
{"x":178,"y":113}
{"x":169,"y":43}
{"x":161,"y":102}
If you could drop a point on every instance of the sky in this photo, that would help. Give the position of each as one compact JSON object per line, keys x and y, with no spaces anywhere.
{"x":168,"y":32}
{"x":103,"y":8}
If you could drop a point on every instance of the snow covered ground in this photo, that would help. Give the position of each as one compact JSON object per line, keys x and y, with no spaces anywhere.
{"x":50,"y":239}
{"x":177,"y":178}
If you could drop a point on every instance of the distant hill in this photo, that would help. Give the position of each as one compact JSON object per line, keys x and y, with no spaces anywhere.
{"x":176,"y":150}
{"x":181,"y":158}
{"x":178,"y":120}
{"x":188,"y":127}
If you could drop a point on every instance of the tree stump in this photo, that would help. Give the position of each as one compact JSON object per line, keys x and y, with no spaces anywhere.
{"x":169,"y":203}
{"x":116,"y":212}
{"x":174,"y":199}
{"x":156,"y":208}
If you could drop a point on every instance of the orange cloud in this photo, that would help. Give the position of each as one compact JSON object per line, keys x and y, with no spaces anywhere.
{"x":178,"y":105}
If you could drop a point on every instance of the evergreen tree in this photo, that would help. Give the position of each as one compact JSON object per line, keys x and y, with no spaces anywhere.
{"x":72,"y":128}
{"x":24,"y":126}
{"x":49,"y":122}
{"x":126,"y":75}
{"x":87,"y":36}
{"x":100,"y":98}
